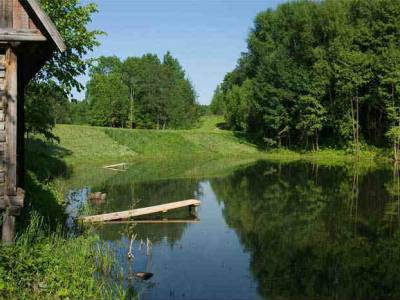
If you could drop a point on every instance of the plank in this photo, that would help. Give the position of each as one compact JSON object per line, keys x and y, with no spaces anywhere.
{"x":140,"y":211}
{"x":115,"y":167}
{"x":5,"y":13}
{"x":20,"y":16}
{"x":47,"y":24}
{"x":22,"y":37}
{"x":195,"y":221}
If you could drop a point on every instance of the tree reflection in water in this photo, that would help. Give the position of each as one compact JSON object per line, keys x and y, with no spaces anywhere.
{"x":317,"y":232}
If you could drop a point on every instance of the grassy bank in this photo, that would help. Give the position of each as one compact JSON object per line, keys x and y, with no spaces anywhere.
{"x":85,"y":144}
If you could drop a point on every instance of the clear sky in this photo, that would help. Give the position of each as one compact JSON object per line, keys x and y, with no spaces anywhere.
{"x":207,"y":36}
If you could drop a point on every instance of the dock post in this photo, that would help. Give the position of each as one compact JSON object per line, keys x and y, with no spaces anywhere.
{"x":193,"y":210}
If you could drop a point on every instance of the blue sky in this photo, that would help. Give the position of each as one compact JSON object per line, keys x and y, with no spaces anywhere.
{"x":207,"y":36}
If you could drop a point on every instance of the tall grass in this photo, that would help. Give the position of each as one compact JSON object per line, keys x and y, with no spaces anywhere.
{"x":47,"y":264}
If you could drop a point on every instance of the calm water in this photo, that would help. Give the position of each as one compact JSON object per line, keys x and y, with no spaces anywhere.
{"x":266,"y":231}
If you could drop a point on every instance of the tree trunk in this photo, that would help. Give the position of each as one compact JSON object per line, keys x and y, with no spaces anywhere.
{"x":358,"y":126}
{"x":132,"y":94}
{"x":352,"y":120}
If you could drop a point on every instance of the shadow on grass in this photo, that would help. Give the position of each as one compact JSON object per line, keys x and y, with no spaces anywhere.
{"x":44,"y":162}
{"x":244,"y":137}
{"x":250,"y":139}
{"x":222,"y":126}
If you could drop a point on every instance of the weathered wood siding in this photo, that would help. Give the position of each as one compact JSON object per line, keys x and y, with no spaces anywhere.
{"x":5,"y":14}
{"x":14,"y":16}
{"x":3,"y":101}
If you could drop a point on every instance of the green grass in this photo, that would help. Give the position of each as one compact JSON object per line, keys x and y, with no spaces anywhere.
{"x":49,"y":265}
{"x":89,"y":145}
{"x":86,"y":143}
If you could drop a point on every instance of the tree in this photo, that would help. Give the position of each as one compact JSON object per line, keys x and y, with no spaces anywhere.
{"x":331,"y":64}
{"x":130,"y":71}
{"x":107,"y":96}
{"x":59,"y":75}
{"x":153,"y":94}
{"x":217,"y":102}
{"x":311,"y":118}
{"x":239,"y":105}
{"x":39,"y":109}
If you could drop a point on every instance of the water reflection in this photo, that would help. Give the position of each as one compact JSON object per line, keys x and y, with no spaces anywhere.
{"x":267,"y":231}
{"x":315,"y":232}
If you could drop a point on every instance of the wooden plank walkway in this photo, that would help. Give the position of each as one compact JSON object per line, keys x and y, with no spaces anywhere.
{"x":167,"y":221}
{"x":122,"y":167}
{"x":141,"y":211}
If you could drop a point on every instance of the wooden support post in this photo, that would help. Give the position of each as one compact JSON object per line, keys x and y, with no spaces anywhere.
{"x":8,"y":232}
{"x":11,"y":123}
{"x":193,"y":210}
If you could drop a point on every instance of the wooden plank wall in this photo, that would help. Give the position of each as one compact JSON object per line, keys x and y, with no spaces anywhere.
{"x":3,"y":101}
{"x":5,"y":13}
{"x":13,"y":15}
{"x":20,"y":16}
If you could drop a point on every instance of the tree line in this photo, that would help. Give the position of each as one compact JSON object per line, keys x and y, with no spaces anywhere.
{"x":318,"y":72}
{"x":139,"y":92}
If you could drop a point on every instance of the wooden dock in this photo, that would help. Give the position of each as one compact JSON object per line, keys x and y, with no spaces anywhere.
{"x":123,"y":215}
{"x":163,"y":221}
{"x":121,"y":167}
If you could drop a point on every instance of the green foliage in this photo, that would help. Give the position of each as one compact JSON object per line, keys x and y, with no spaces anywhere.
{"x":394,"y":134}
{"x":321,"y":69}
{"x":108,"y":100}
{"x":48,"y":265}
{"x":217,"y":102}
{"x":58,"y":77}
{"x":39,"y":109}
{"x":145,"y":92}
{"x":238,"y":105}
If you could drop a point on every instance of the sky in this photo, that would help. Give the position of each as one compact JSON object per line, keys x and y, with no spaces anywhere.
{"x":206,"y":36}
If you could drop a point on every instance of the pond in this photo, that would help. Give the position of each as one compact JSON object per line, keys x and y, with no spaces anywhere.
{"x":263,"y":231}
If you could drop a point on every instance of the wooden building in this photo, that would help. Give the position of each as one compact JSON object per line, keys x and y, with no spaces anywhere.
{"x":28,"y":39}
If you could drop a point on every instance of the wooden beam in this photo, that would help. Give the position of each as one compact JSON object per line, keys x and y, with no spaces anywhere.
{"x":195,"y":221}
{"x":140,"y":211}
{"x":10,"y":155}
{"x":47,"y":24}
{"x":116,"y":165}
{"x":22,"y":37}
{"x":11,"y":122}
{"x":28,"y":31}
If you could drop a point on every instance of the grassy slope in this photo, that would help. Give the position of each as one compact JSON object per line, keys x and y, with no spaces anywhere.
{"x":94,"y":143}
{"x":107,"y":145}
{"x":88,"y":143}
{"x":202,"y":152}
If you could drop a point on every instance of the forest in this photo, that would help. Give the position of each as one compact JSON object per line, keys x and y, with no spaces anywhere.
{"x":318,"y":73}
{"x":139,"y":92}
